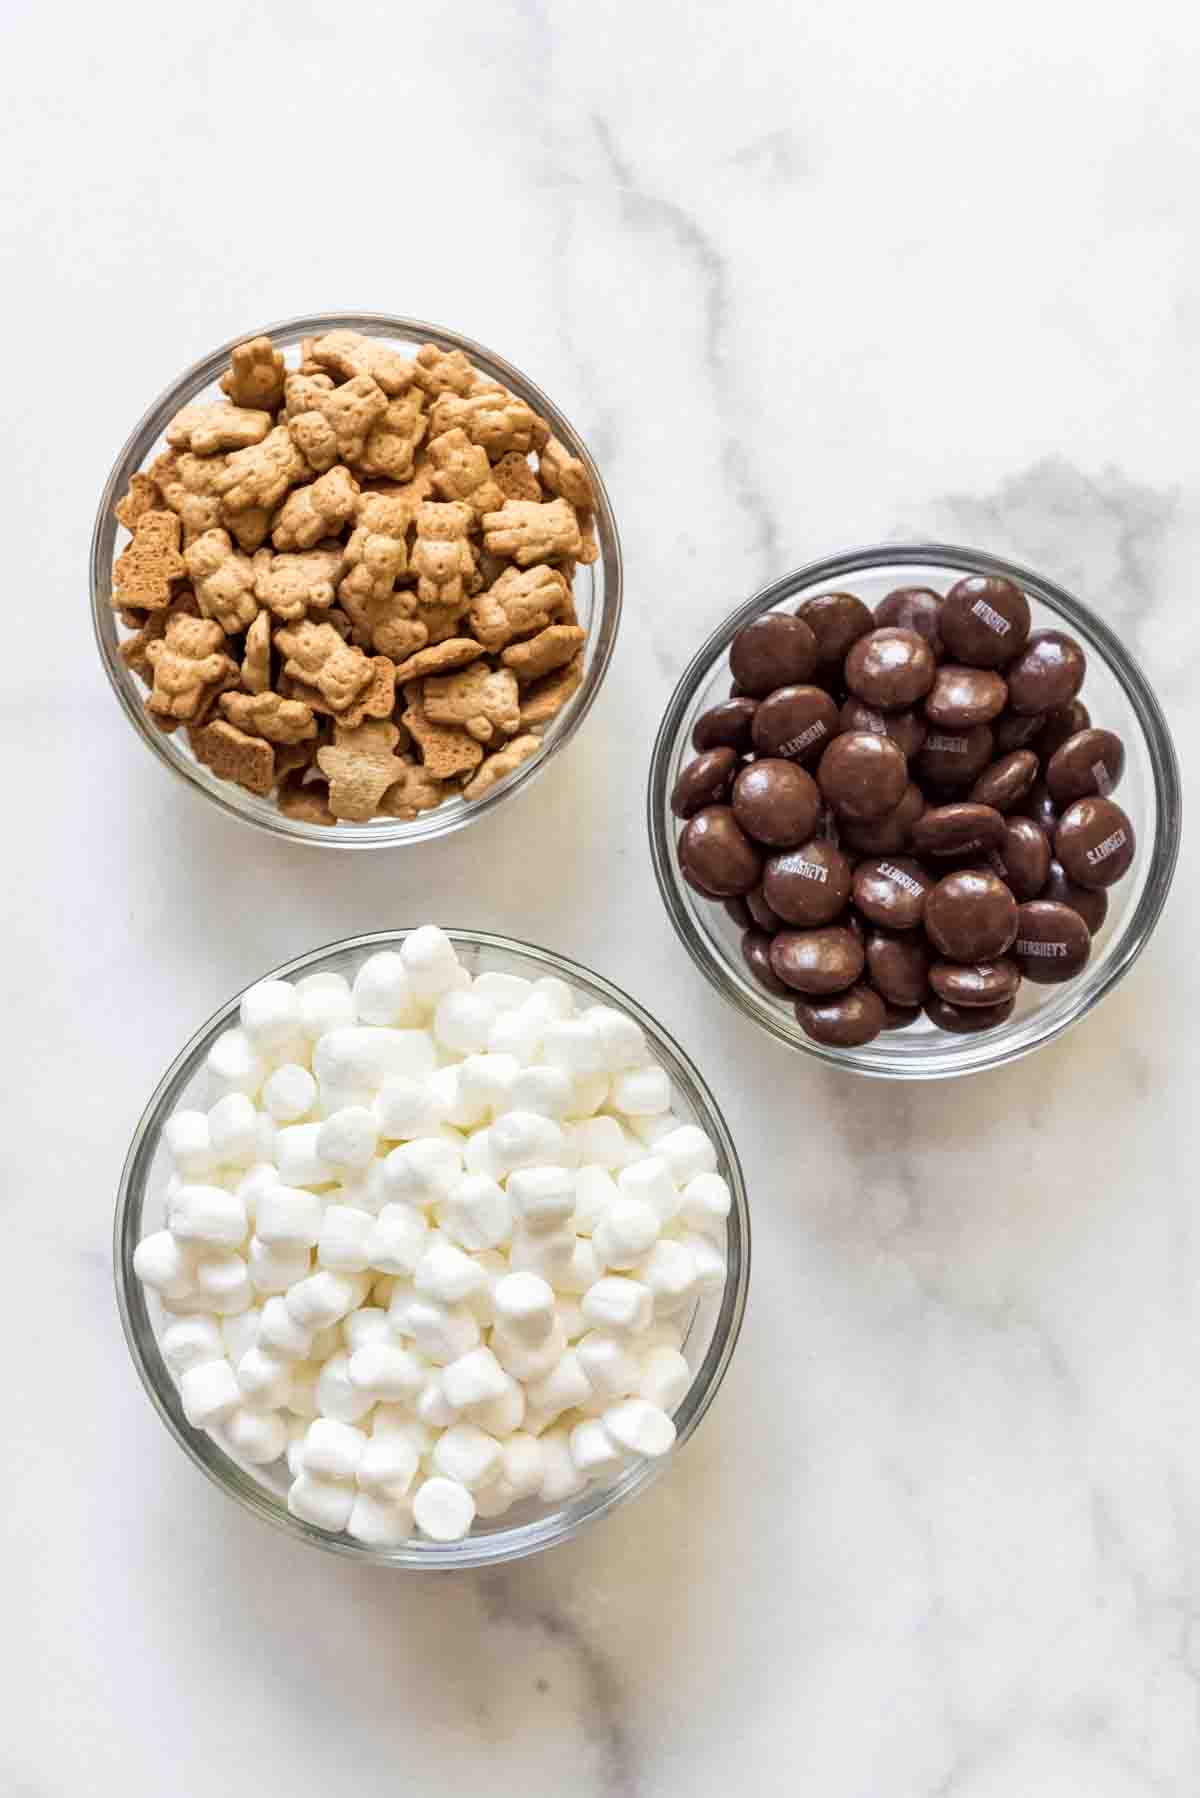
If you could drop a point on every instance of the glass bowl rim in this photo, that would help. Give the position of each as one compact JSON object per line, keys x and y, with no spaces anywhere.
{"x":227,"y":795}
{"x":497,"y":1546}
{"x":962,"y":1055}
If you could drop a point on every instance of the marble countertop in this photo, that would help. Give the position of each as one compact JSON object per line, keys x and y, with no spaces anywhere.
{"x":805,"y":277}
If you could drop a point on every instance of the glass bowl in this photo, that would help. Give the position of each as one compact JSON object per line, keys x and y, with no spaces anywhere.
{"x":597,"y":590}
{"x":712,"y":1331}
{"x":1117,"y":696}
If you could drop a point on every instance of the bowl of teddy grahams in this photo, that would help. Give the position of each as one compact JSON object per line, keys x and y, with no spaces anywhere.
{"x":355,"y":579}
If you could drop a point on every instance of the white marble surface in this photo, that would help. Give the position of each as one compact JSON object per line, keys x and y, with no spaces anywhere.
{"x":805,"y":277}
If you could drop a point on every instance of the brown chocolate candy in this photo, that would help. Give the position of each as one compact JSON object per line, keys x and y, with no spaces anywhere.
{"x":1052,"y":942}
{"x":890,"y":834}
{"x":954,"y":758}
{"x":775,"y":650}
{"x":737,"y":908}
{"x":985,"y":620}
{"x":1039,"y":806}
{"x":756,"y":951}
{"x":1023,"y":857}
{"x":975,"y":983}
{"x":891,"y":891}
{"x":971,"y":916}
{"x":898,"y":966}
{"x":890,"y":668}
{"x":962,"y":696}
{"x":1094,"y":842}
{"x":845,"y":1021}
{"x":775,"y":802}
{"x":1057,"y":726}
{"x":899,"y":1017}
{"x":1012,"y":731}
{"x":818,"y":961}
{"x":958,"y":829}
{"x":906,"y":729}
{"x":796,"y":723}
{"x":914,"y":609}
{"x":704,"y":781}
{"x":762,"y":915}
{"x":809,"y":885}
{"x":1092,"y":761}
{"x":1004,"y":783}
{"x":966,"y":1020}
{"x":1047,"y":674}
{"x":726,"y":725}
{"x":836,"y":620}
{"x":863,"y":775}
{"x":1090,"y":903}
{"x":715,"y":849}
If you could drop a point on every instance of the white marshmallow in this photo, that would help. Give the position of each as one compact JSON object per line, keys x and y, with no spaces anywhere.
{"x":651,"y":1130}
{"x":381,"y":1523}
{"x":187,"y":1137}
{"x":621,"y":1039}
{"x":270,"y":1014}
{"x":553,"y":997}
{"x":287,"y":1218}
{"x":443,"y":1510}
{"x":467,"y":1454}
{"x":346,"y":1141}
{"x":664,"y":1378}
{"x":280,"y":1335}
{"x":441,"y":1332}
{"x":325,"y":1503}
{"x":504,"y":1413}
{"x":462,"y":1110}
{"x":495,"y":1499}
{"x":518,"y":1033}
{"x":289,"y":1094}
{"x":479,"y":1158}
{"x":601,"y":1142}
{"x":388,"y":1466}
{"x":421,"y":1173}
{"x":523,"y":1139}
{"x":522,"y":1464}
{"x":608,"y":1364}
{"x":595,"y":1191}
{"x":259,"y":1437}
{"x":640,"y":1427}
{"x":671,"y":1273}
{"x":301,"y":1400}
{"x":234,"y":1066}
{"x":570,"y":1316}
{"x":337,"y":1395}
{"x":561,"y":1479}
{"x":254,"y":1182}
{"x":593,"y":1449}
{"x":618,"y":1304}
{"x":361,"y":1057}
{"x":406,"y":1107}
{"x":477,"y":1212}
{"x":651,"y":1180}
{"x":549,"y":1253}
{"x":325,"y":1004}
{"x":381,"y":991}
{"x":588,"y":1093}
{"x":191,"y":1341}
{"x":368,"y":1324}
{"x":233,"y":1130}
{"x":343,"y":1244}
{"x":642,"y":1092}
{"x":710,"y":1263}
{"x":433,"y":1408}
{"x":462,"y":1022}
{"x":332,"y":1450}
{"x":505,"y":991}
{"x":274,"y":1266}
{"x":210,"y":1393}
{"x":564,"y":1386}
{"x":543,"y":1089}
{"x":397,"y":1240}
{"x":385,"y":1371}
{"x":524,"y":1307}
{"x":542,"y":1197}
{"x":445,"y":1273}
{"x":263,"y":1379}
{"x":474,"y":1379}
{"x":687,"y":1152}
{"x":628,"y":1230}
{"x":525,"y":1363}
{"x":572,"y":1044}
{"x":327,"y":1340}
{"x":580,"y":1271}
{"x":163,"y":1262}
{"x":705,"y":1204}
{"x":494,"y":1266}
{"x":208,"y":1215}
{"x":486,"y":1084}
{"x":324,"y":1298}
{"x":298,"y":1159}
{"x":222,"y":1273}
{"x":430,"y":961}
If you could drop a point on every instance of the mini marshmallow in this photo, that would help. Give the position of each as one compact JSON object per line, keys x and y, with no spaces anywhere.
{"x":549,"y":1253}
{"x":687,"y":1152}
{"x":325,"y":1503}
{"x":433,"y":1408}
{"x":381,"y":1523}
{"x":290,"y":1093}
{"x":406,"y":1107}
{"x":505,"y":991}
{"x":187,"y":1137}
{"x":326,"y":1341}
{"x":222,"y":1274}
{"x":572,"y":1045}
{"x":270,"y":1014}
{"x":710,"y":1263}
{"x":345,"y":1235}
{"x":580,"y":1271}
{"x":621,"y":1039}
{"x":210,"y":1393}
{"x":337,"y":1395}
{"x":381,"y":991}
{"x":324,"y":1298}
{"x":430,"y":962}
{"x":671,"y":1273}
{"x":346,"y":1141}
{"x":263,"y":1379}
{"x":234,"y":1066}
{"x":301,"y":1400}
{"x":651,"y":1130}
{"x":479,"y":1157}
{"x":467,"y":1454}
{"x":542,"y":1197}
{"x":664,"y":1378}
{"x":588,"y":1093}
{"x":504,"y":1413}
{"x":287,"y":1218}
{"x":705,"y":1204}
{"x":254,"y":1182}
{"x":523,"y":1139}
{"x":421,"y":1173}
{"x":608,"y":1364}
{"x":325,"y":1003}
{"x":190,"y":1342}
{"x":462,"y":1022}
{"x":385,"y":1371}
{"x":280,"y":1335}
{"x":640,"y":1427}
{"x":642,"y":1092}
{"x":163,"y":1262}
{"x":461,"y":1109}
{"x":651,"y":1180}
{"x":616,"y":1303}
{"x":494,"y":1266}
{"x":233,"y":1130}
{"x":627,"y":1231}
{"x":495,"y":1499}
{"x":259,"y":1437}
{"x":445,"y":1273}
{"x":561,"y":1479}
{"x":524,"y":1307}
{"x":474,"y":1379}
{"x":443,"y":1510}
{"x":297,"y":1157}
{"x":441,"y":1332}
{"x":477,"y":1213}
{"x":208,"y":1215}
{"x":601,"y":1142}
{"x":388,"y":1466}
{"x":543,"y":1089}
{"x":595,"y":1191}
{"x":518,"y":1033}
{"x":274,"y":1266}
{"x":525,"y":1363}
{"x":397,"y":1240}
{"x":522,"y":1464}
{"x":332,"y":1450}
{"x":564,"y":1386}
{"x":570,"y":1316}
{"x":593,"y":1449}
{"x":369,"y":1324}
{"x":361,"y":1057}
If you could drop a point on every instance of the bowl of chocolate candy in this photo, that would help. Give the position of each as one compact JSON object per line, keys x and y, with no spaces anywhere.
{"x":914,"y":809}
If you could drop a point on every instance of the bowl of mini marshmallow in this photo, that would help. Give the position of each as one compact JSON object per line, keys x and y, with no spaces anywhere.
{"x":431,"y":1247}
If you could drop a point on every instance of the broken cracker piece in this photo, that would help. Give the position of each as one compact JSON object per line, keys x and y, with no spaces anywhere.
{"x":440,"y":658}
{"x":256,"y":655}
{"x":208,"y":427}
{"x":503,"y":763}
{"x":360,"y":766}
{"x":547,"y":697}
{"x":446,"y":750}
{"x":305,"y":800}
{"x":550,"y":649}
{"x":233,"y":755}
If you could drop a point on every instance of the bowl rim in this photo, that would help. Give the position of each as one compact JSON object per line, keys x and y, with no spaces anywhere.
{"x":377,"y":834}
{"x":962,"y":1055}
{"x":500,"y":1545}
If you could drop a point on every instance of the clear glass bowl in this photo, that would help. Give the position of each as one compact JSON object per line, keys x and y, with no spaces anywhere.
{"x":1117,"y":696}
{"x":712,"y":1331}
{"x":597,"y":590}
